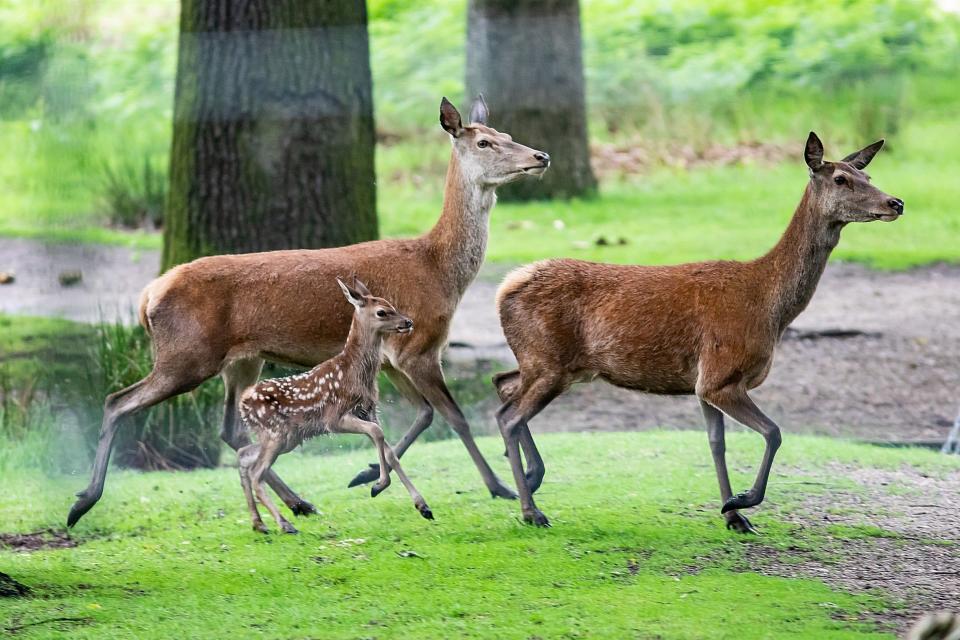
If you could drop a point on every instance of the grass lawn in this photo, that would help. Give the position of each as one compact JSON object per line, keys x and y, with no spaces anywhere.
{"x":637,"y":550}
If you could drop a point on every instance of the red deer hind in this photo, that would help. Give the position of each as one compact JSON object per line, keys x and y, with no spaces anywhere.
{"x":225,"y":315}
{"x":707,"y":329}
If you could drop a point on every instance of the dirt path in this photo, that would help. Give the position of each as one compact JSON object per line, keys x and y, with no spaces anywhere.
{"x":899,"y":380}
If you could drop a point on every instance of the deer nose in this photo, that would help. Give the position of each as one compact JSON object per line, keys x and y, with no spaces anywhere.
{"x":896,"y":204}
{"x":542,"y":157}
{"x":408,"y":324}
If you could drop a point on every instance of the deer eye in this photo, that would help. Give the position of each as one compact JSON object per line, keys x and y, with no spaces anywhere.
{"x":840,"y":180}
{"x":483,"y":144}
{"x":381,"y":313}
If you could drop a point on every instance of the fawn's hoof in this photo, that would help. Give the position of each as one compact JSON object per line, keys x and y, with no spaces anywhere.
{"x":743,"y":500}
{"x":739,"y":523}
{"x":80,"y":507}
{"x":303,"y":508}
{"x":377,"y":489}
{"x":425,"y":511}
{"x":500,"y":490}
{"x":536,"y":518}
{"x":288,"y":528}
{"x":259,"y":527}
{"x":368,"y":475}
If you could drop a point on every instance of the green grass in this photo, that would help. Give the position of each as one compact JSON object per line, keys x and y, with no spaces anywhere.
{"x":637,"y":550}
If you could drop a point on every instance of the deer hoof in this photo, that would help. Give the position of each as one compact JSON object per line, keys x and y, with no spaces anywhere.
{"x":501,"y":490}
{"x":303,"y":508}
{"x":425,"y":512}
{"x":366,"y":476}
{"x":79,"y":508}
{"x":740,"y":524}
{"x":288,"y":528}
{"x":536,"y":518}
{"x":377,"y":489}
{"x":742,"y":501}
{"x":259,"y":527}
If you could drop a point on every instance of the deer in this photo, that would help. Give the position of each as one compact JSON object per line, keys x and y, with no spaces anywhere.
{"x":707,"y":329}
{"x":225,"y":315}
{"x":337,"y":396}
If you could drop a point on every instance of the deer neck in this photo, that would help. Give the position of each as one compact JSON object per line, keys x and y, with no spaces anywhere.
{"x":360,"y":358}
{"x":459,"y":238}
{"x":799,"y":258}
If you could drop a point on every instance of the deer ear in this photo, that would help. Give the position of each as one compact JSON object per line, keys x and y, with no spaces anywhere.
{"x":352,"y":296}
{"x":360,"y":288}
{"x":860,"y":159}
{"x":450,"y":118}
{"x":813,"y":152}
{"x":479,"y":112}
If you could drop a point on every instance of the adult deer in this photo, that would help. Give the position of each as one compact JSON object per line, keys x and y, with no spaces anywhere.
{"x":226,"y":314}
{"x":706,"y":328}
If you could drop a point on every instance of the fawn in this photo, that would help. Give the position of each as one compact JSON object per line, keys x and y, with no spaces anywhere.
{"x":707,"y":329}
{"x":336,"y":396}
{"x":225,"y":315}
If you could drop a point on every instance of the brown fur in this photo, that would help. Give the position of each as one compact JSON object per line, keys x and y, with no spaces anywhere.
{"x":707,"y":328}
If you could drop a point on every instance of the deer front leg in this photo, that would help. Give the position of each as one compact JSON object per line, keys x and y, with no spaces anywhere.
{"x":715,"y":432}
{"x":247,"y":456}
{"x":388,"y":459}
{"x":735,"y":402}
{"x":269,"y":450}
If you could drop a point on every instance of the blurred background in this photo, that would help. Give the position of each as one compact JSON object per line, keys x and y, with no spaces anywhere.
{"x":138,"y":135}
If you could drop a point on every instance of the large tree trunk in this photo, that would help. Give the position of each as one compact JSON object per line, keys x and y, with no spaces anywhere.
{"x":524,"y":56}
{"x":273,"y":136}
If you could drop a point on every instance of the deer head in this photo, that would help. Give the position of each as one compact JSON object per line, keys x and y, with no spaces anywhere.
{"x":486,"y":155}
{"x":374,"y":313}
{"x":843,"y":190}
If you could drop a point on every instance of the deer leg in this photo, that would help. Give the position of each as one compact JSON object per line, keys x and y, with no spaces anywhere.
{"x":508,"y":384}
{"x":427,"y":376}
{"x":269,"y":450}
{"x":237,"y":376}
{"x":247,"y":457}
{"x":388,"y":459}
{"x":718,"y":448}
{"x":735,"y":402}
{"x":512,"y":419}
{"x":155,"y":388}
{"x":420,"y":424}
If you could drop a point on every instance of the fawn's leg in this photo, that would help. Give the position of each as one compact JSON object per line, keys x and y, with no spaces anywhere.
{"x":735,"y":402}
{"x":388,"y":459}
{"x":718,"y":448}
{"x":269,"y":450}
{"x":247,"y":456}
{"x":237,"y":376}
{"x":420,"y":424}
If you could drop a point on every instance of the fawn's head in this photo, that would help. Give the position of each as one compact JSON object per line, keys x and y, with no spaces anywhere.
{"x":486,"y":155}
{"x":843,"y":190}
{"x":373,"y":312}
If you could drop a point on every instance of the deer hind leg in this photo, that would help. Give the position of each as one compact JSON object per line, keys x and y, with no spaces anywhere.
{"x":388,"y":459}
{"x":427,"y":376}
{"x":420,"y":424}
{"x":247,"y":457}
{"x":512,"y":418}
{"x":161,"y":383}
{"x":508,"y":385}
{"x":735,"y":402}
{"x":237,"y":376}
{"x":269,"y":450}
{"x":718,"y":449}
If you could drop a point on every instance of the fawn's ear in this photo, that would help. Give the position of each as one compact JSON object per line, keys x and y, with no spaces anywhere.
{"x":450,"y":118}
{"x":353,"y":296}
{"x":479,"y":112}
{"x":860,"y":159}
{"x":361,"y":288}
{"x":813,"y":152}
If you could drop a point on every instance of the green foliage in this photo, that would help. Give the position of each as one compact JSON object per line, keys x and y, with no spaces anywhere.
{"x":638,"y":549}
{"x":134,"y":194}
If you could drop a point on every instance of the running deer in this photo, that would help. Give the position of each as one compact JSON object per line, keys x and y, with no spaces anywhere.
{"x":336,"y":396}
{"x":707,"y":329}
{"x":226,"y":314}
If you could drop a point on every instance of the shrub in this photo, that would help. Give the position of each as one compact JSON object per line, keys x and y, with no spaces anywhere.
{"x":134,"y":193}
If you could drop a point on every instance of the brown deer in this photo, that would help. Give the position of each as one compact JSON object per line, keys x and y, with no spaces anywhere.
{"x":226,"y":314}
{"x":706,"y":328}
{"x":336,"y":396}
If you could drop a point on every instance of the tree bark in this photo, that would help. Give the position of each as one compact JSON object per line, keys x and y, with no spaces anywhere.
{"x":524,"y":56}
{"x":273,"y":135}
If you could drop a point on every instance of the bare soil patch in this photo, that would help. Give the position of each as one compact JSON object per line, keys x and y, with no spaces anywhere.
{"x":37,"y":540}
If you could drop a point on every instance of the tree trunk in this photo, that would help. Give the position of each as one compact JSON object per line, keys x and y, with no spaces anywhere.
{"x":524,"y":57}
{"x":273,"y":136}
